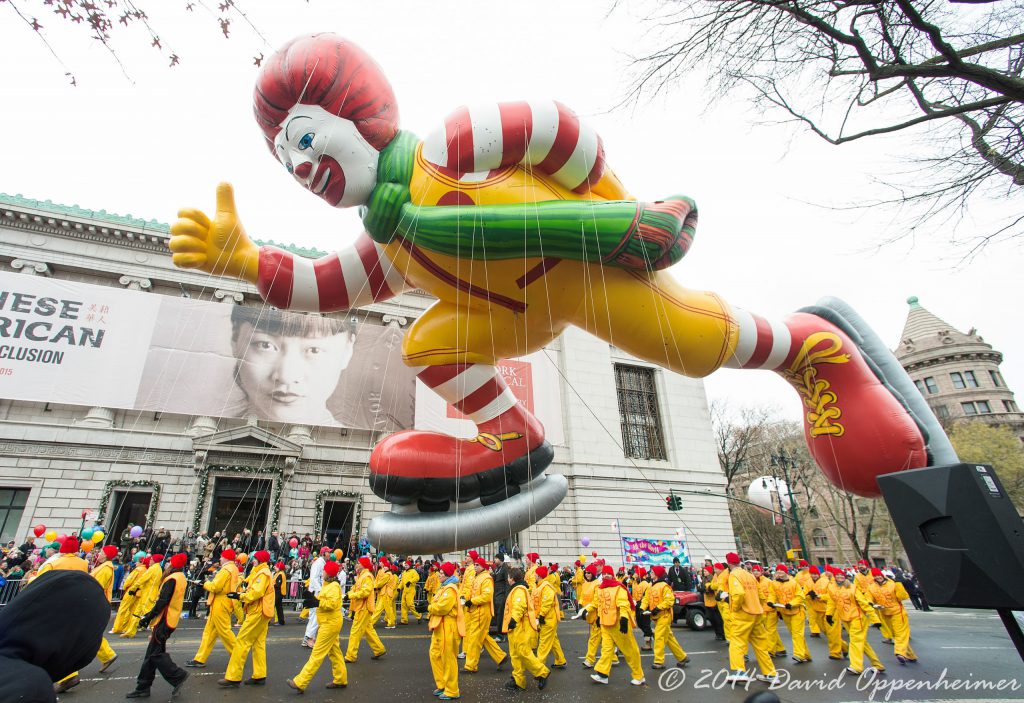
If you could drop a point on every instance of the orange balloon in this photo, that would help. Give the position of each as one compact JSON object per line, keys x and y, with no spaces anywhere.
{"x":242,"y":558}
{"x":338,"y":554}
{"x":87,"y":545}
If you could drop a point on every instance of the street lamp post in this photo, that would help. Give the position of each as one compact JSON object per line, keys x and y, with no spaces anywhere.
{"x":784,"y":461}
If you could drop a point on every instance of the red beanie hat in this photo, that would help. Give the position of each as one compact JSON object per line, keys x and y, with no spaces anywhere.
{"x":720,"y":566}
{"x":383,"y":563}
{"x":366,"y":562}
{"x":448,"y":568}
{"x":804,"y":564}
{"x":228,"y":554}
{"x":144,"y":561}
{"x":658,"y":571}
{"x":641,"y":571}
{"x":579,"y":563}
{"x":542,"y":572}
{"x":331,"y":568}
{"x":876,"y":572}
{"x":732,"y":558}
{"x":157,"y":558}
{"x":262,"y":556}
{"x":592,"y":570}
{"x":756,"y":567}
{"x":279,"y":565}
{"x":863,"y":562}
{"x":709,"y":568}
{"x":783,"y":568}
{"x":473,"y":554}
{"x":482,"y":563}
{"x":69,"y":546}
{"x":110,"y":551}
{"x":814,"y":570}
{"x":325,"y":550}
{"x":179,"y":560}
{"x":607,"y":571}
{"x":533,"y":556}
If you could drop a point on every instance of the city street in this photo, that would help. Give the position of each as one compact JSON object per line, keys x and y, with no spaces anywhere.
{"x":957,"y":648}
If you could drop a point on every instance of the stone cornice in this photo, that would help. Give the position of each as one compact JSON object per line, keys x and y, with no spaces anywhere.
{"x":94,"y":231}
{"x":950,"y":357}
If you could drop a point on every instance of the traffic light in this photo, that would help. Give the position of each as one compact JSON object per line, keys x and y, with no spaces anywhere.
{"x":673,"y":502}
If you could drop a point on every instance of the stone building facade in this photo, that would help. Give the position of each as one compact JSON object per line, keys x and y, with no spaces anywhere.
{"x":956,"y":372}
{"x":176,"y":471}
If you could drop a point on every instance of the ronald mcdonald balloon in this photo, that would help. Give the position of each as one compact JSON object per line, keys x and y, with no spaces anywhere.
{"x":510,"y":215}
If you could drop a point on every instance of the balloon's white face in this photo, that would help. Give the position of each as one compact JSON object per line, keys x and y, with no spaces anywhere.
{"x":327,"y":155}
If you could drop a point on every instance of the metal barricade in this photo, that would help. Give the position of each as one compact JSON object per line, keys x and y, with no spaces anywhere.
{"x":9,"y":590}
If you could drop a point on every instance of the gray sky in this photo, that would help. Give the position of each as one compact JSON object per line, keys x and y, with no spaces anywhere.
{"x":162,"y":140}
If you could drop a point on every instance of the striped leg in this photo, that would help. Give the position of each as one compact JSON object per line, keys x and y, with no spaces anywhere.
{"x":432,"y":468}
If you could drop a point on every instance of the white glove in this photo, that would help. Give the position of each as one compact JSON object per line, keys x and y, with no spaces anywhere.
{"x":580,"y":614}
{"x":774,"y":605}
{"x":647,"y":612}
{"x":723,"y":596}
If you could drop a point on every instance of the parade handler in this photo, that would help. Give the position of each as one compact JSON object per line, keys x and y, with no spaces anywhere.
{"x":659,"y":603}
{"x":447,"y":628}
{"x":331,"y":620}
{"x":888,"y":596}
{"x":258,"y":602}
{"x":219,"y":610}
{"x":617,"y":615}
{"x":789,"y":604}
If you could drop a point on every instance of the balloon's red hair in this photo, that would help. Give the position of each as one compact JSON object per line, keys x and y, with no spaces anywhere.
{"x":334,"y":73}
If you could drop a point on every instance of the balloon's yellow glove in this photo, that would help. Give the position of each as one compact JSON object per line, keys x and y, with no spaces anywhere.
{"x":220,"y":246}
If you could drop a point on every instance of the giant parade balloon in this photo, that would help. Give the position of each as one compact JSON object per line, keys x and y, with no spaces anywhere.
{"x":510,"y":215}
{"x":769,"y":494}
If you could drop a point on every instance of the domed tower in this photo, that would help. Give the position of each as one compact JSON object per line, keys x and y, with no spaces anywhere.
{"x":957,"y":373}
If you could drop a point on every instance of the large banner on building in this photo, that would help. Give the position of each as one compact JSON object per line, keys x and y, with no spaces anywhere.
{"x":651,"y":552}
{"x":67,"y":342}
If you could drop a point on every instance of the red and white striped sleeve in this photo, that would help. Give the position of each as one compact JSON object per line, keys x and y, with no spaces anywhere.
{"x":360,"y":275}
{"x":544,"y":135}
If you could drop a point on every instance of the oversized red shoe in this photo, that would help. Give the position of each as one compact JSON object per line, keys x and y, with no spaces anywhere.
{"x":433,"y":470}
{"x":860,"y":420}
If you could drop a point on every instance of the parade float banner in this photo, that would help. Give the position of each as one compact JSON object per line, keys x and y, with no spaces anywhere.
{"x":82,"y":344}
{"x":651,"y":552}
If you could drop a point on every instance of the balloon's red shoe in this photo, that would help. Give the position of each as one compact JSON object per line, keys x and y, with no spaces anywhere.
{"x":856,"y":426}
{"x":432,"y":470}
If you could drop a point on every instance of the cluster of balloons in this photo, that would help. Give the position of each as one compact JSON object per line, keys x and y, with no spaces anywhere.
{"x":91,"y":536}
{"x":140,"y":555}
{"x":336,"y":555}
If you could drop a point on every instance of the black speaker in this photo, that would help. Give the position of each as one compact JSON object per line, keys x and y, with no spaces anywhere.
{"x":964,"y":538}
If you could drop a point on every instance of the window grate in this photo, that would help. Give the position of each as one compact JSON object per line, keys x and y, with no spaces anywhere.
{"x":642,"y":436}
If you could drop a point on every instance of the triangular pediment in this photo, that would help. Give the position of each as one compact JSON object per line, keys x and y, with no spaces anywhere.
{"x":247,"y":437}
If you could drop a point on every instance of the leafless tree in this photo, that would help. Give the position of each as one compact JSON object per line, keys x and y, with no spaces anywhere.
{"x":855,"y":69}
{"x":105,"y":20}
{"x":740,"y":437}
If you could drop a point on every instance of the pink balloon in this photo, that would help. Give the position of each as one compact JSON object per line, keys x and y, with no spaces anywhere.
{"x":294,"y":541}
{"x":61,"y":538}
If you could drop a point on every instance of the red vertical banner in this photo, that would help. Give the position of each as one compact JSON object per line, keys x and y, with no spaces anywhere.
{"x":518,"y":376}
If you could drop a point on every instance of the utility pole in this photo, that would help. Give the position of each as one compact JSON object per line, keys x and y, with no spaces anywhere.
{"x":784,"y":461}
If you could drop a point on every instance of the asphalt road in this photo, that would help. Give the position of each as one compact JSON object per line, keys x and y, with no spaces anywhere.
{"x":956,"y":648}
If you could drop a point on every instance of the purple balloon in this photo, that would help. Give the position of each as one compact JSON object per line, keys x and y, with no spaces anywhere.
{"x":136,"y":532}
{"x":585,"y":541}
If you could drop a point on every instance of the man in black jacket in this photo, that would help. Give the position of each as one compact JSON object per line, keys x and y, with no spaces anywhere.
{"x":501,"y":589}
{"x":679,"y":577}
{"x":274,"y":545}
{"x":166,"y":612}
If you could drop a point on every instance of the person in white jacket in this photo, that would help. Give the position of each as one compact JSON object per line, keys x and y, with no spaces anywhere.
{"x":316,"y":582}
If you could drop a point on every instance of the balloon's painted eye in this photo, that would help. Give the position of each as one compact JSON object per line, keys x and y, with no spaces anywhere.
{"x":306,"y":141}
{"x":289,"y":167}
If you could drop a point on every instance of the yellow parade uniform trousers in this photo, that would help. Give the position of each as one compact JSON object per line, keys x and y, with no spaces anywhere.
{"x":899,"y":625}
{"x":326,"y":646}
{"x":218,"y":626}
{"x":478,"y":640}
{"x":523,"y":658}
{"x":409,"y":605}
{"x":663,"y":637}
{"x":124,"y":612}
{"x":612,"y":637}
{"x":548,"y":642}
{"x":858,"y":631}
{"x":795,"y":624}
{"x":744,"y":634}
{"x":594,"y":644}
{"x":837,"y":646}
{"x":444,"y":656}
{"x":251,"y":636}
{"x":362,"y":626}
